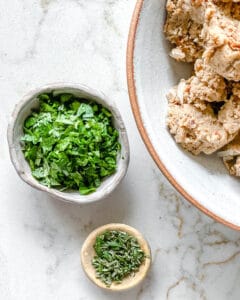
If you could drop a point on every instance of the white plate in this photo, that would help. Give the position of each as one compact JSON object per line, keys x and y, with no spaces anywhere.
{"x":202,"y":180}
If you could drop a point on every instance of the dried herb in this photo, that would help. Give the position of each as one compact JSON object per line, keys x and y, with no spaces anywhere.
{"x":118,"y":255}
{"x":70,"y":143}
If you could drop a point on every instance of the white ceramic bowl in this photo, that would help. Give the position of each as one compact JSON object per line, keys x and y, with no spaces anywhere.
{"x":15,"y":131}
{"x":88,"y":253}
{"x":202,"y":180}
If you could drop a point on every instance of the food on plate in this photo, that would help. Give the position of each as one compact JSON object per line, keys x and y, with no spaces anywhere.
{"x":204,"y":110}
{"x":70,"y":142}
{"x":182,"y":31}
{"x":206,"y":29}
{"x":221,"y":35}
{"x":231,"y":156}
{"x":204,"y":86}
{"x":196,"y":130}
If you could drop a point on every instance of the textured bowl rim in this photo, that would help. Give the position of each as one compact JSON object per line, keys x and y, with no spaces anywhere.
{"x":83,"y":199}
{"x":143,"y":271}
{"x":140,"y":124}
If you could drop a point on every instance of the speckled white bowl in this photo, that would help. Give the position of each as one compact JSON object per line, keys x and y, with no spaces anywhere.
{"x":202,"y":180}
{"x":15,"y":131}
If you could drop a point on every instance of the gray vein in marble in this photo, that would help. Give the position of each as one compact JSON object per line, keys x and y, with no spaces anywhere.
{"x":45,"y":4}
{"x":111,"y":22}
{"x":31,"y":52}
{"x":46,"y":230}
{"x":145,"y":286}
{"x":156,"y":253}
{"x":174,"y":199}
{"x":222,"y":262}
{"x":4,"y":277}
{"x":201,"y":231}
{"x":174,"y":285}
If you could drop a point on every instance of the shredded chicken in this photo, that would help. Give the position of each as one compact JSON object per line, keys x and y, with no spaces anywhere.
{"x":202,"y":130}
{"x":206,"y":28}
{"x":183,"y":31}
{"x":231,"y":156}
{"x":229,"y":7}
{"x":221,"y":34}
{"x":204,"y":85}
{"x":204,"y":110}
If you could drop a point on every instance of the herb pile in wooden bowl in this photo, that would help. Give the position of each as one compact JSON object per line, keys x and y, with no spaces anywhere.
{"x":70,"y":143}
{"x":116,"y":257}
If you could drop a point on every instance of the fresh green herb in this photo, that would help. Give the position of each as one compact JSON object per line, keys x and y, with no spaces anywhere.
{"x":70,"y":143}
{"x":118,"y":255}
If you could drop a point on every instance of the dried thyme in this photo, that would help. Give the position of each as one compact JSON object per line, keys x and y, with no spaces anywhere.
{"x":118,"y":255}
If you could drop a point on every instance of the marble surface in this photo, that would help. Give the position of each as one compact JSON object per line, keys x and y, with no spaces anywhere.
{"x":45,"y":41}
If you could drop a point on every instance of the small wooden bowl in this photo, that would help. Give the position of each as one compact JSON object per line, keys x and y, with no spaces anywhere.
{"x":87,"y":254}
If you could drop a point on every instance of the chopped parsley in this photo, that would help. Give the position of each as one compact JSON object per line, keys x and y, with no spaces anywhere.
{"x":70,"y":143}
{"x":118,"y":255}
